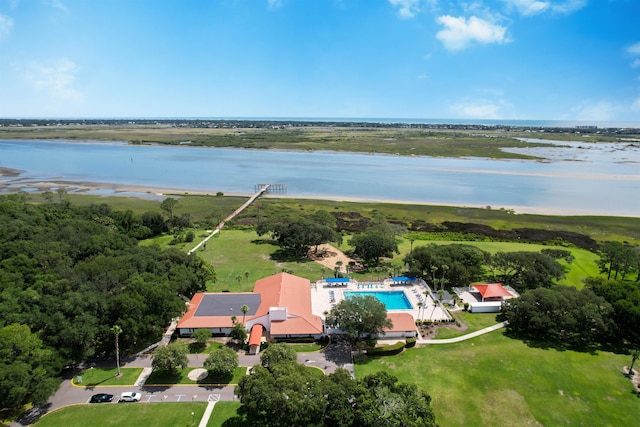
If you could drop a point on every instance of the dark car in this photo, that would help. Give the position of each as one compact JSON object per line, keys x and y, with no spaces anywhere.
{"x":101,"y":398}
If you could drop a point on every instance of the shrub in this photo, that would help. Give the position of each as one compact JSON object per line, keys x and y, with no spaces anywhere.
{"x":387,"y":350}
{"x":411,"y":342}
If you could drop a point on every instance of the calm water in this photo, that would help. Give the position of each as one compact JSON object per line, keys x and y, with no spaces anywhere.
{"x":393,"y":300}
{"x":598,"y":179}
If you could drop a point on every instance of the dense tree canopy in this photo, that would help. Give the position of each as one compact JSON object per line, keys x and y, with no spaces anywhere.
{"x":69,"y":273}
{"x":295,"y":395}
{"x":298,"y":236}
{"x":457,"y":265}
{"x":619,"y":260}
{"x":525,"y":270}
{"x":372,"y":245}
{"x":624,"y":297}
{"x":359,"y":317}
{"x":561,"y":315}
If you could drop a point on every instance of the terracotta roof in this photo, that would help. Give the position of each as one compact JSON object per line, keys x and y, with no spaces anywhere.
{"x":402,"y":322}
{"x":294,"y":293}
{"x":256,"y":334}
{"x":492,"y":290}
{"x":279,"y":290}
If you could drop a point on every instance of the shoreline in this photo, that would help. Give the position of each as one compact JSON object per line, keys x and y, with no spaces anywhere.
{"x":15,"y":184}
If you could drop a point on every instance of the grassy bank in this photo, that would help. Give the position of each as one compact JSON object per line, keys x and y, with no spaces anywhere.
{"x":442,"y":142}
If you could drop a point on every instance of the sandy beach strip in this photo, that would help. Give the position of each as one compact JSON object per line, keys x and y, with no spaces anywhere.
{"x":15,"y":184}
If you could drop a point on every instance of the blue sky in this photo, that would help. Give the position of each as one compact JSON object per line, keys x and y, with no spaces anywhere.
{"x":499,"y":59}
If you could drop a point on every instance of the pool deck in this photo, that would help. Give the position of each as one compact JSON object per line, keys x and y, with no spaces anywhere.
{"x":324,"y":298}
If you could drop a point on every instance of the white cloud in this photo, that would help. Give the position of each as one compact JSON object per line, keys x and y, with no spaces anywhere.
{"x":634,"y":49}
{"x":476,"y":110}
{"x":459,"y":32}
{"x":56,"y":79}
{"x":635,"y":63}
{"x":274,"y":4}
{"x":58,"y":5}
{"x":535,"y":7}
{"x":599,"y":111}
{"x":6,"y":25}
{"x":406,"y":8}
{"x":569,"y":6}
{"x":528,"y":7}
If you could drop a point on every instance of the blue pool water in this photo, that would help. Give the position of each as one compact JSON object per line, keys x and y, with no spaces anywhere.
{"x":393,"y":300}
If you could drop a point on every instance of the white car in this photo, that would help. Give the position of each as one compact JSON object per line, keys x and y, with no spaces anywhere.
{"x":130,"y":396}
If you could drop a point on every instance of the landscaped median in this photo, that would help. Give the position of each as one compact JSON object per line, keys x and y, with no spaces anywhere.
{"x":96,"y":377}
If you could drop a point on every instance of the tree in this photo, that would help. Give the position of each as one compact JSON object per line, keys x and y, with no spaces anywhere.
{"x":246,"y":277}
{"x":275,"y":397}
{"x":276,"y":354}
{"x":372,"y":245}
{"x":618,"y":259}
{"x":561,"y":315}
{"x":635,"y":355}
{"x":27,"y":368}
{"x":359,"y":317}
{"x":222,"y":362}
{"x":169,"y":205}
{"x":525,"y":270}
{"x":169,"y":359}
{"x":624,"y":297}
{"x":201,"y":336}
{"x":456,"y":264}
{"x":117,"y":330}
{"x":296,"y":237}
{"x":238,"y":332}
{"x":244,"y":309}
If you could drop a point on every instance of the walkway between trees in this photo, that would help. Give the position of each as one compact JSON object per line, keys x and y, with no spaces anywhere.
{"x":230,"y":217}
{"x":463,"y":337}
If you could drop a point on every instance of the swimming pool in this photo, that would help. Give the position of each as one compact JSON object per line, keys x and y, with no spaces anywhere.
{"x":393,"y":300}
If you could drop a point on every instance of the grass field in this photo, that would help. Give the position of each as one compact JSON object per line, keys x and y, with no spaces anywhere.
{"x":107,"y":377}
{"x":473,"y":322}
{"x":127,"y":415}
{"x":494,"y":380}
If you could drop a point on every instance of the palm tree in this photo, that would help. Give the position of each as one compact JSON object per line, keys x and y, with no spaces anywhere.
{"x":635,"y":355}
{"x":420,"y":307}
{"x":244,"y":309}
{"x":442,"y":279}
{"x":246,"y":276}
{"x":239,"y":279}
{"x":117,"y":330}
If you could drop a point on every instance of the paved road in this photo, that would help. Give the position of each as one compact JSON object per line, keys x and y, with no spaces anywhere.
{"x":328,"y":360}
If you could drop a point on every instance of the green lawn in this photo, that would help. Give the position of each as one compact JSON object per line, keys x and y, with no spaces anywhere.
{"x":107,"y":377}
{"x":192,"y":347}
{"x":495,"y":380}
{"x":235,"y":252}
{"x":222,"y":412}
{"x":127,"y":415}
{"x":473,"y":321}
{"x":160,"y":378}
{"x":583,"y":266}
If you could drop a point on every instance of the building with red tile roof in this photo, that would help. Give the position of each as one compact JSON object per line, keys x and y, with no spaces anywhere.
{"x":492,"y":291}
{"x":280,"y":304}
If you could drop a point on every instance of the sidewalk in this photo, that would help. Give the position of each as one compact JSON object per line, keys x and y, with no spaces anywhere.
{"x":463,"y":337}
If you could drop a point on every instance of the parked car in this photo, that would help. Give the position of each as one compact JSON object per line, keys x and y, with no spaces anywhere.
{"x":130,"y":396}
{"x":101,"y":398}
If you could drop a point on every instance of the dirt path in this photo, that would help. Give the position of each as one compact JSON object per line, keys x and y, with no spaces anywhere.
{"x":328,"y":255}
